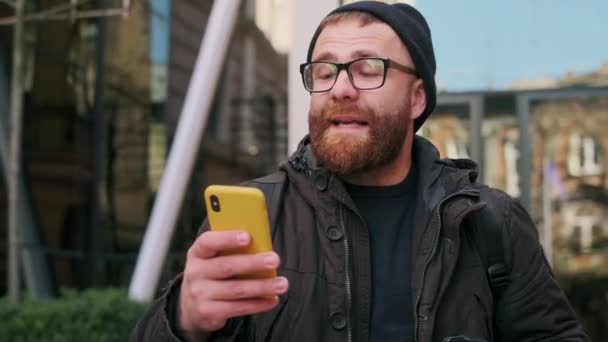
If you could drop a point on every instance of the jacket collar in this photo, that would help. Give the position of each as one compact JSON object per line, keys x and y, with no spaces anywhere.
{"x":437,"y":178}
{"x":440,"y":178}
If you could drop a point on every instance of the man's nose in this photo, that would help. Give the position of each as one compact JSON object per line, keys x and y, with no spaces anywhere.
{"x":343,"y":88}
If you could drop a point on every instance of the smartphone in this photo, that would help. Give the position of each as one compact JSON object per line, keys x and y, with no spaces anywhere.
{"x":236,"y":207}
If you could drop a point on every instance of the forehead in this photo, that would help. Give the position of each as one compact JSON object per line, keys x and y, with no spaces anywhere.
{"x":348,"y":39}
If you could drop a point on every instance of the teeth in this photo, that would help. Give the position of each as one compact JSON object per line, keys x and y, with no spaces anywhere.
{"x":349,"y":123}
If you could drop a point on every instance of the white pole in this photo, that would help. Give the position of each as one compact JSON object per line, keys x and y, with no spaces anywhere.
{"x":184,"y":150}
{"x":306,"y":16}
{"x":14,"y":163}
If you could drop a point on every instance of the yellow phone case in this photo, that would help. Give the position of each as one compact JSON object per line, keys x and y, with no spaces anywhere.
{"x":236,"y":207}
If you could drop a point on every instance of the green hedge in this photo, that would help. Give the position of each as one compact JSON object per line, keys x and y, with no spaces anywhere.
{"x":93,"y":315}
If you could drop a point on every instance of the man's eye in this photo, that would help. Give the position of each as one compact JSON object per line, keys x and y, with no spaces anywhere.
{"x":369,"y":68}
{"x":325,"y":72}
{"x":325,"y":75}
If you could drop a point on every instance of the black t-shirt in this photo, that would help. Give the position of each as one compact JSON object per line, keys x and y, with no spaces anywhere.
{"x":389,"y":214}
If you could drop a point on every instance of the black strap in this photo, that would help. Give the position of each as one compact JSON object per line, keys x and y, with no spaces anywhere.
{"x":488,"y":239}
{"x":272,"y":186}
{"x":491,"y":230}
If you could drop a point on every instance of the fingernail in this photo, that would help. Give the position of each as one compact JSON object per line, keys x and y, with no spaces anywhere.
{"x":242,"y":238}
{"x":280,"y":283}
{"x":271,"y":260}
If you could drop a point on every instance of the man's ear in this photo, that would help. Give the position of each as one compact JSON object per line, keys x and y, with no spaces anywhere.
{"x":417,"y":99}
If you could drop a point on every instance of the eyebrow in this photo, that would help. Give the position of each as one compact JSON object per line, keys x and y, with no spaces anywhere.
{"x":328,"y":56}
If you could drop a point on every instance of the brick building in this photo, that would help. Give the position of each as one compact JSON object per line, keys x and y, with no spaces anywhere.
{"x":567,"y":162}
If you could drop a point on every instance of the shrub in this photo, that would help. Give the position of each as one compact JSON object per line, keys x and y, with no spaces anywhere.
{"x":93,"y":315}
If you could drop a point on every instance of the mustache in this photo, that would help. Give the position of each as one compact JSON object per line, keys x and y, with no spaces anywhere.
{"x":334,"y":109}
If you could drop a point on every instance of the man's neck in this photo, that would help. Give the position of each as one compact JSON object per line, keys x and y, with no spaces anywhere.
{"x":385,"y":175}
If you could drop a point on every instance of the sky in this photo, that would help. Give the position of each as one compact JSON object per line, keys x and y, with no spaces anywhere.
{"x":159,"y":22}
{"x":491,"y":44}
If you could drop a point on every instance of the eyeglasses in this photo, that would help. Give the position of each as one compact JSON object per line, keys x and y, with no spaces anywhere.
{"x":364,"y":73}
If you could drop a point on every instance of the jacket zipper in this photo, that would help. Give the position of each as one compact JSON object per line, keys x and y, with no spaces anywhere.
{"x":349,"y":335}
{"x":433,"y":251}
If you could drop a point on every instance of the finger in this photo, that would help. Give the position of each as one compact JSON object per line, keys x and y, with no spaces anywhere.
{"x":247,"y":288}
{"x":210,"y":243}
{"x":220,"y":310}
{"x":229,"y":266}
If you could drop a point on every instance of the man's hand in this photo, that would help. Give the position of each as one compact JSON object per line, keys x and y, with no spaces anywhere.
{"x":210,"y":294}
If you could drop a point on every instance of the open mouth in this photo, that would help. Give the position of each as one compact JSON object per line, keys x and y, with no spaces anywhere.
{"x":348,"y":121}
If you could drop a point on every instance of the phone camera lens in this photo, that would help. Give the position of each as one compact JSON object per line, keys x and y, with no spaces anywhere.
{"x":215,"y":203}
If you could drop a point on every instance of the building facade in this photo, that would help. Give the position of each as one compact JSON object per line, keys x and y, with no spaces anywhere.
{"x":94,"y":155}
{"x":567,"y":164}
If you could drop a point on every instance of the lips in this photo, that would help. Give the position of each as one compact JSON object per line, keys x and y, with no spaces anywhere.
{"x":348,"y":120}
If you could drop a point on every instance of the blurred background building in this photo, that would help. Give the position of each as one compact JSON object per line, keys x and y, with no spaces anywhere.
{"x":92,"y":198}
{"x":103,"y":98}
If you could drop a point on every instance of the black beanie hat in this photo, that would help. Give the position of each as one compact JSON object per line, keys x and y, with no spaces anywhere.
{"x":412,"y":29}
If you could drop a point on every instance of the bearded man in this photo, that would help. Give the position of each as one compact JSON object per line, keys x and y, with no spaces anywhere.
{"x":374,"y":238}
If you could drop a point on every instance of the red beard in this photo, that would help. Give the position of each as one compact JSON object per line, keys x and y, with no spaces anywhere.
{"x":346,"y":154}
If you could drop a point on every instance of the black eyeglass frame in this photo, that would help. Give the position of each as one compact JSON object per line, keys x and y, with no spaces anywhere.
{"x":387,"y":62}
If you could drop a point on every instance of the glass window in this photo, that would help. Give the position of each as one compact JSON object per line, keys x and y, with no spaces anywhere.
{"x":568,"y":138}
{"x":584,"y":156}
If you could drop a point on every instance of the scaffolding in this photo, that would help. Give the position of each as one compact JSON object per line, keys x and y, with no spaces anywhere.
{"x":21,"y":230}
{"x":71,"y":10}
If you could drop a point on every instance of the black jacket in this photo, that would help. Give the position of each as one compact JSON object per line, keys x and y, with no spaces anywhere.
{"x":324,"y":247}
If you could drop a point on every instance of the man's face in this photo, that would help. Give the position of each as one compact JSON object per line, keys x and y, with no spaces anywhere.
{"x":355,"y":130}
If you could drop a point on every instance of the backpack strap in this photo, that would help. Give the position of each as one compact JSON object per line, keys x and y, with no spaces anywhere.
{"x":494,"y":256}
{"x":272,"y":186}
{"x":489,"y":241}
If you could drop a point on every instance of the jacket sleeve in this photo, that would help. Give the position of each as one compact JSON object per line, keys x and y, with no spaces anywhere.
{"x":158,"y":323}
{"x":532,"y":307}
